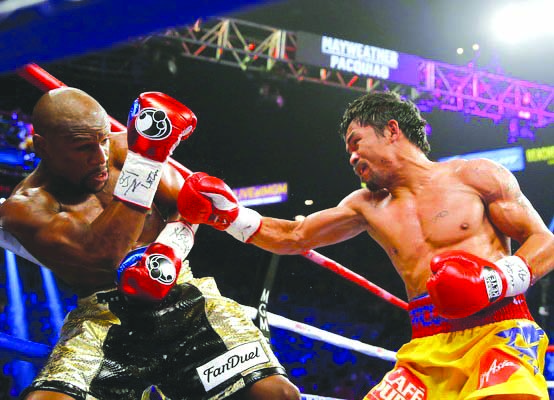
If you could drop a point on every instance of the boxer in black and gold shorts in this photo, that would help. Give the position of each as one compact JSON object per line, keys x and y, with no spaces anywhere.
{"x":195,"y":344}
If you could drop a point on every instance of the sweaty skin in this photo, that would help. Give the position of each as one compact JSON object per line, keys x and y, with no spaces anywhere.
{"x":416,"y":209}
{"x":64,"y":212}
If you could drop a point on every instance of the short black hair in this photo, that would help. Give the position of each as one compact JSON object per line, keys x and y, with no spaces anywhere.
{"x":376,"y":109}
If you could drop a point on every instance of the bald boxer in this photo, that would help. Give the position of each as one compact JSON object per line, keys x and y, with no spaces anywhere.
{"x":447,"y":229}
{"x":100,"y":211}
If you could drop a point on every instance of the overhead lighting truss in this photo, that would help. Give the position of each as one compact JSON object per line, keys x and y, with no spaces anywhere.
{"x":261,"y":48}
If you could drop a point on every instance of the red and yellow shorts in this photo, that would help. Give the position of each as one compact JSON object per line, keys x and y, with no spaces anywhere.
{"x":466,"y":360}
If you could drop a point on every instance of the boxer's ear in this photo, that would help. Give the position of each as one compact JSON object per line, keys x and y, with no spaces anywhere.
{"x":39,"y":145}
{"x":394,"y":129}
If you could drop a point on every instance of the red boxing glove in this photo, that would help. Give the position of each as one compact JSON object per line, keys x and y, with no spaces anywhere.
{"x":205,"y":199}
{"x":463,"y":284}
{"x":156,"y":125}
{"x":150,"y":272}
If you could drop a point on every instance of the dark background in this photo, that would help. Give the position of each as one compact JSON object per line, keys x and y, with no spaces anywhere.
{"x":247,"y":139}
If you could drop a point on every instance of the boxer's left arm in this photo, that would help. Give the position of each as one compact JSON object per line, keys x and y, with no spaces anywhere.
{"x":208,"y":200}
{"x":463,"y":283}
{"x":512,"y":214}
{"x":171,"y":181}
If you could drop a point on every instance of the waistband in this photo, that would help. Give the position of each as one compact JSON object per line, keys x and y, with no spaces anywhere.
{"x":102,"y":296}
{"x":426,"y":322}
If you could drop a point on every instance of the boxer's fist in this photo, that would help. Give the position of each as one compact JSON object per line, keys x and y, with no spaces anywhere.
{"x":462,"y":284}
{"x":156,"y":125}
{"x":150,"y":272}
{"x":205,"y":199}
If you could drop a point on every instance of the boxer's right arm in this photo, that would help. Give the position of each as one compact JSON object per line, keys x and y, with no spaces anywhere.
{"x":77,"y":249}
{"x":149,"y":273}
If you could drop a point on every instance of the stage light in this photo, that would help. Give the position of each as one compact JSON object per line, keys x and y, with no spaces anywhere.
{"x":16,"y":312}
{"x":519,"y":129}
{"x":475,"y":47}
{"x":197,"y":24}
{"x":460,"y":50}
{"x":172,"y":65}
{"x":519,"y":22}
{"x":279,"y":100}
{"x":428,"y":129}
{"x":524,"y":114}
{"x":271,"y":95}
{"x":526,"y":99}
{"x":54,"y":301}
{"x":323,"y":74}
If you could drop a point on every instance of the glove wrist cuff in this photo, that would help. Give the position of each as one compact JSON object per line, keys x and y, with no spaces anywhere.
{"x":246,"y":224}
{"x":138,"y":180}
{"x":517,"y":274}
{"x":178,"y":235}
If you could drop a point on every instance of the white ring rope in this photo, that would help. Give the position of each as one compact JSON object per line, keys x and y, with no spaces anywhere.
{"x":312,"y":332}
{"x":7,"y":241}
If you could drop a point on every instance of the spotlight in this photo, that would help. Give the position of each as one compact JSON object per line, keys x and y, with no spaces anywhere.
{"x":460,"y":51}
{"x":279,"y":100}
{"x":271,"y":95}
{"x":518,"y":22}
{"x":172,"y":66}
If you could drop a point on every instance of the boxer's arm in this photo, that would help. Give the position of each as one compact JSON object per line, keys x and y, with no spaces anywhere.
{"x":170,"y":184}
{"x":74,"y":247}
{"x":323,"y":228}
{"x":512,"y":214}
{"x":208,"y":200}
{"x":69,"y":243}
{"x":65,"y":241}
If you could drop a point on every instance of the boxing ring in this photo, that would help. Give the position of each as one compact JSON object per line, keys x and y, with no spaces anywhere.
{"x":26,"y":350}
{"x":29,"y":351}
{"x":29,"y":355}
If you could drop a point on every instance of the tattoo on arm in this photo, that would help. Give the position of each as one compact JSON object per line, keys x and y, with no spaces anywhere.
{"x":511,"y":188}
{"x":523,"y":203}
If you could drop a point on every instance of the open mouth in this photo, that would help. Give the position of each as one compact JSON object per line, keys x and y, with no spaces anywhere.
{"x":100,"y":176}
{"x":361,"y":169}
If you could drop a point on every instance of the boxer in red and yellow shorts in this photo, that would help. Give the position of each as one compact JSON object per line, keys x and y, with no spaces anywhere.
{"x":497,"y":352}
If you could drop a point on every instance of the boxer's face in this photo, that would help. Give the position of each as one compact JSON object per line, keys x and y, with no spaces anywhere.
{"x":80,"y":156}
{"x":368,"y":155}
{"x":71,"y":137}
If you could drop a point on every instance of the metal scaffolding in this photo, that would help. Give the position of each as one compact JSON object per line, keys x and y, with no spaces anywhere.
{"x":261,"y":48}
